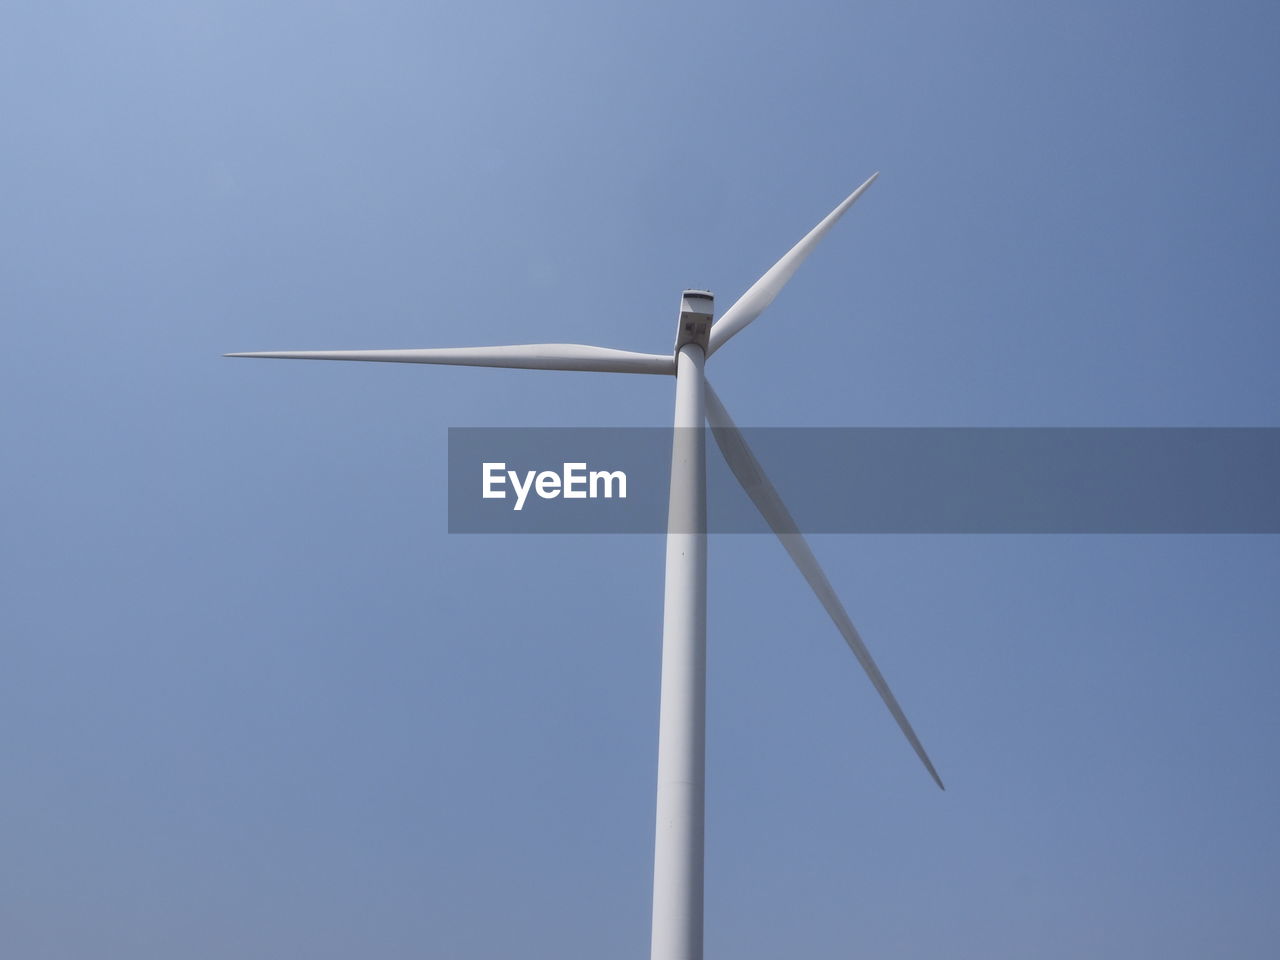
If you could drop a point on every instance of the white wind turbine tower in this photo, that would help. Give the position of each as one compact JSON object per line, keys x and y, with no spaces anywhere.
{"x":678,"y":850}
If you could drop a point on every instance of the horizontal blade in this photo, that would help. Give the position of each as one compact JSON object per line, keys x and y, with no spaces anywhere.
{"x":763,"y":494}
{"x":526,"y":356}
{"x":753,"y":303}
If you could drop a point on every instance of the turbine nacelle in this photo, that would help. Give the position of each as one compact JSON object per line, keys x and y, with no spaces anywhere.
{"x":697,"y":307}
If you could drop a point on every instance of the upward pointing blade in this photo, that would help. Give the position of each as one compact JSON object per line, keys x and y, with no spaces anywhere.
{"x":763,"y":494}
{"x":753,"y":303}
{"x":527,"y":356}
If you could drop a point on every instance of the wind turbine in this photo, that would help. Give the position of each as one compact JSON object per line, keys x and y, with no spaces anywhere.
{"x":678,"y":848}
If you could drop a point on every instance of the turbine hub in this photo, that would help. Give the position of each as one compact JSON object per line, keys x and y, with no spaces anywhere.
{"x":697,"y":307}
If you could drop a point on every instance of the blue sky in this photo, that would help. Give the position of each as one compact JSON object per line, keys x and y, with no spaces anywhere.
{"x":258,"y":703}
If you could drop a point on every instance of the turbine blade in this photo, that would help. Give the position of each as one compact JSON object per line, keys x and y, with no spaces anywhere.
{"x":527,"y":356}
{"x":753,"y":303}
{"x":763,"y":494}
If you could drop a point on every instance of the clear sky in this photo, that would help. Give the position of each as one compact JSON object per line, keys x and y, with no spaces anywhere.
{"x":257,"y":703}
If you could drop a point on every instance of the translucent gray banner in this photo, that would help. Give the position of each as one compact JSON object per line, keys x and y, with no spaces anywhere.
{"x":877,"y":480}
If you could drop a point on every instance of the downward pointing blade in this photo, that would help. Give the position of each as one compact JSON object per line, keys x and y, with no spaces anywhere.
{"x":528,"y":356}
{"x":753,"y":303}
{"x":763,"y":494}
